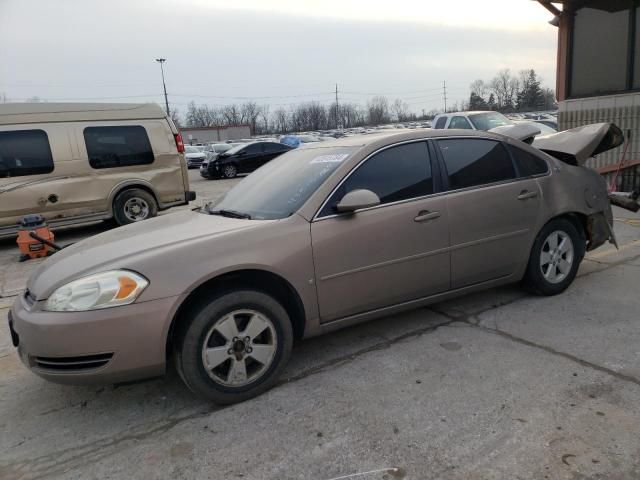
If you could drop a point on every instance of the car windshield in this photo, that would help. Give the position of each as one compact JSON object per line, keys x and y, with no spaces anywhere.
{"x":280,"y":188}
{"x":489,"y":120}
{"x":190,"y":149}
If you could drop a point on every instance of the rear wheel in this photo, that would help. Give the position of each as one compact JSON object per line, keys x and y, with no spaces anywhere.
{"x":234,"y":347}
{"x":555,"y":258}
{"x":134,"y":205}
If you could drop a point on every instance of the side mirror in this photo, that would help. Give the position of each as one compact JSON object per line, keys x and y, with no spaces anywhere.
{"x":356,"y":200}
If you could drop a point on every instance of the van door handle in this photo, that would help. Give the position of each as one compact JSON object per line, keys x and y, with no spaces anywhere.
{"x":426,"y":215}
{"x":526,"y":194}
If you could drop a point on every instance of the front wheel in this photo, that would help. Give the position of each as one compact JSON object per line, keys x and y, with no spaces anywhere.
{"x":230,"y":171}
{"x":555,"y":257}
{"x":234,"y":347}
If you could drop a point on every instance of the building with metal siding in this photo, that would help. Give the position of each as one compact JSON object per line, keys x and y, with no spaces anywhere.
{"x":598,"y":77}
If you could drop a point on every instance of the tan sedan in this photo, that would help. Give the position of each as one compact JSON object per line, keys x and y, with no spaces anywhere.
{"x":323,"y":237}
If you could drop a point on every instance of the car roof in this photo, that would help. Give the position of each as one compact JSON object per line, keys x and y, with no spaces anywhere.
{"x":389,"y":137}
{"x":16,"y":113}
{"x":465,"y":114}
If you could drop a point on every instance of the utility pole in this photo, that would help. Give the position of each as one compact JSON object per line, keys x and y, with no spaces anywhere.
{"x":166,"y":100}
{"x":444,"y":92}
{"x":337,"y":109}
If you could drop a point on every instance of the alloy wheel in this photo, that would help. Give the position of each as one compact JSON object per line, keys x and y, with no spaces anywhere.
{"x":557,"y":256}
{"x":239,"y":348}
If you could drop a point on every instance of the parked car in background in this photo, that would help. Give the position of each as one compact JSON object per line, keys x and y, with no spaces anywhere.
{"x":321,"y":238}
{"x":244,"y":158}
{"x":470,"y":120}
{"x":543,"y":127}
{"x":75,"y":163}
{"x":297,"y":140}
{"x":194,"y":156}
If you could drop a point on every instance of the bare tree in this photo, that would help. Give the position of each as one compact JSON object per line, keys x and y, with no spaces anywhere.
{"x":505,"y":87}
{"x":175,"y":116}
{"x":281,"y":120}
{"x":231,"y":115}
{"x":400,"y":110}
{"x":378,"y":110}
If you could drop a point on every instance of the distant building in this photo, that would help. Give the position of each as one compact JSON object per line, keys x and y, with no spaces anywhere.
{"x":599,"y":71}
{"x":192,"y":136}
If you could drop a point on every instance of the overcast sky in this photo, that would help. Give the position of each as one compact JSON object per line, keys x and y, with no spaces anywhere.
{"x":279,"y":52}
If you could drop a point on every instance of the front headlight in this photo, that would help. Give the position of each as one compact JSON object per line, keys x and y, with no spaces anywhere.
{"x":102,"y":290}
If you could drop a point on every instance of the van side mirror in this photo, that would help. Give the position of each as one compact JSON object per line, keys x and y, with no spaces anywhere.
{"x":356,"y":200}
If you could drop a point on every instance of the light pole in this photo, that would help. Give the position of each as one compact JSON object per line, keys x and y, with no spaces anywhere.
{"x":166,"y":101}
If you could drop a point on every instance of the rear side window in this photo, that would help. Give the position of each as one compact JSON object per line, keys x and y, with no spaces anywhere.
{"x":395,"y":174}
{"x":24,"y":152}
{"x":113,"y":147}
{"x":471,"y":162}
{"x":442,"y":121}
{"x":528,"y":164}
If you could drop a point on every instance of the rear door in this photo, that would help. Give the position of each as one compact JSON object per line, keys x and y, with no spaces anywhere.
{"x":388,"y":254}
{"x":492,"y":212}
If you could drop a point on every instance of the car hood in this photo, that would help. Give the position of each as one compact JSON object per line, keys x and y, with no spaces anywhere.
{"x":118,"y":248}
{"x":579,"y":144}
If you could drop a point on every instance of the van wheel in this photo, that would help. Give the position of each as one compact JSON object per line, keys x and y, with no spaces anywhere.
{"x":134,"y":205}
{"x":229,"y":171}
{"x":234,"y":347}
{"x":555,"y":258}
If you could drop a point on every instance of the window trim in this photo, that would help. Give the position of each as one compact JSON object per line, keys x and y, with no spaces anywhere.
{"x":484,"y":185}
{"x":435,"y":175}
{"x":53,"y":161}
{"x":86,"y":147}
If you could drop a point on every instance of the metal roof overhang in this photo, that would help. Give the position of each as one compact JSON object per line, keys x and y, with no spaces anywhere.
{"x":607,"y":5}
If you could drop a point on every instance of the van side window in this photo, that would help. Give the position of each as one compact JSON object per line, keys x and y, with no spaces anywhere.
{"x":24,"y":152}
{"x":112,"y":147}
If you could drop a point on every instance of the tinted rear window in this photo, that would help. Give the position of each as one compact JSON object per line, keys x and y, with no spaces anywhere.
{"x":471,"y":162}
{"x":527,"y":163}
{"x":112,"y":147}
{"x":25,"y":152}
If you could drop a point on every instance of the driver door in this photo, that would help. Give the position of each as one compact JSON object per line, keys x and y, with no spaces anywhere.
{"x":387,"y":254}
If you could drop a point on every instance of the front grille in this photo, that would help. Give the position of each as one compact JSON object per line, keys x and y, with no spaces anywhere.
{"x":72,"y":364}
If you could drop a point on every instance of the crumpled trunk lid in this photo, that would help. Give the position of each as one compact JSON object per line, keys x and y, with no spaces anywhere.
{"x":577,"y":145}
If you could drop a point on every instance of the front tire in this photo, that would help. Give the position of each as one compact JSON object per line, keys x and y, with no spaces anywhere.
{"x":234,"y":347}
{"x":134,"y":205}
{"x":229,"y":171}
{"x":555,"y":258}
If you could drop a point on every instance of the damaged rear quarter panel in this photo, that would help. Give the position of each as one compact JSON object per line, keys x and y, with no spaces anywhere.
{"x":572,"y":189}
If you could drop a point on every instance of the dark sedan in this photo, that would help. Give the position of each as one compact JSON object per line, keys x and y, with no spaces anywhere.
{"x":244,"y":158}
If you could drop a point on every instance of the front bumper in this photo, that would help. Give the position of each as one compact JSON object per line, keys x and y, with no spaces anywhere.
{"x":98,"y":347}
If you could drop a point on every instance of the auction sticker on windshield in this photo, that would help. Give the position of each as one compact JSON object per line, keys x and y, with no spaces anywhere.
{"x":336,"y":158}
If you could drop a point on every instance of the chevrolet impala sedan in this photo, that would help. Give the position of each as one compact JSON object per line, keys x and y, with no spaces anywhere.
{"x":318,"y":239}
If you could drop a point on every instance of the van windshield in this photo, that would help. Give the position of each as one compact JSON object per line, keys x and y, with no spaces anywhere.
{"x":282,"y":186}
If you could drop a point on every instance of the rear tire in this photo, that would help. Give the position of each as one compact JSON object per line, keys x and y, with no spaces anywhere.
{"x":134,"y":205}
{"x":234,"y":346}
{"x":555,"y":258}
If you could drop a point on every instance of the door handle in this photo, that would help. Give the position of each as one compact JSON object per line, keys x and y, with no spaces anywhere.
{"x":526,"y":194}
{"x":426,"y":215}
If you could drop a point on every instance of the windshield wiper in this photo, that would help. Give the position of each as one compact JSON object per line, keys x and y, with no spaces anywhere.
{"x":229,"y":213}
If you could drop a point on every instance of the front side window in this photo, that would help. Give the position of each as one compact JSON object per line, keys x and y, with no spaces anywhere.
{"x":274,"y":147}
{"x":460,"y":122}
{"x":253,"y":149}
{"x":122,"y":146}
{"x":472,"y":162}
{"x":24,"y":152}
{"x":397,"y":173}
